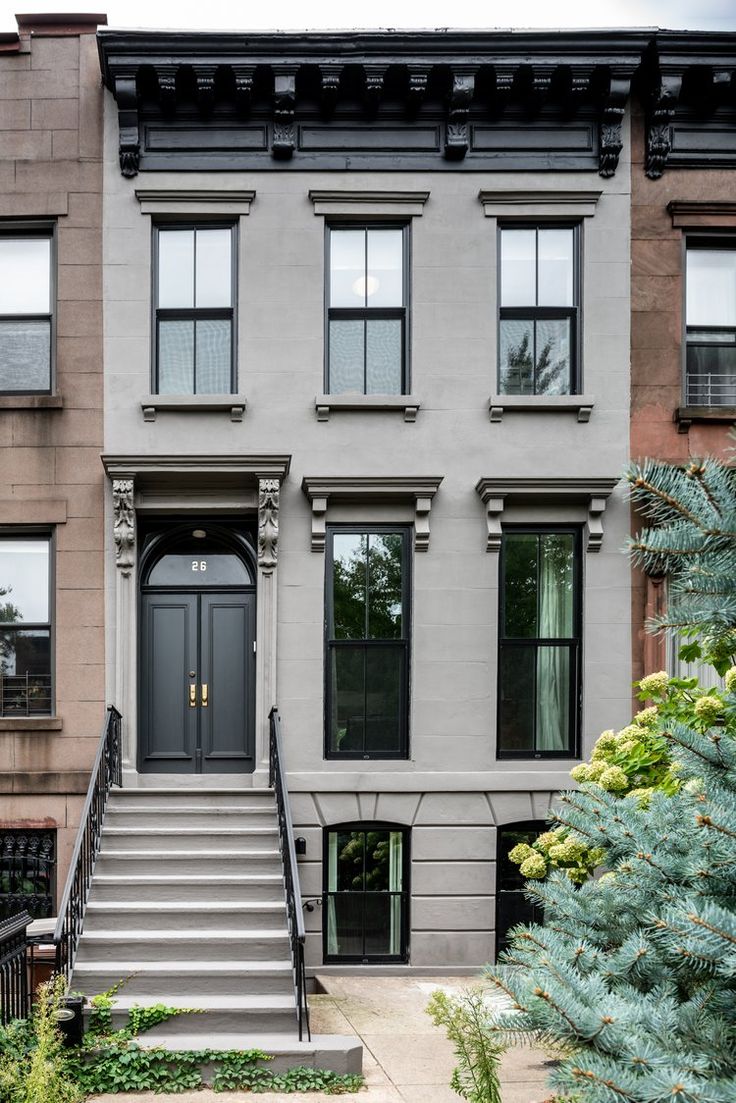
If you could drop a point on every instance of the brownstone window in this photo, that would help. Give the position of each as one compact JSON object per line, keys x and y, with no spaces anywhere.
{"x":538,"y":309}
{"x":25,"y":626}
{"x":26,"y":310}
{"x":195,"y":309}
{"x":711,"y":322}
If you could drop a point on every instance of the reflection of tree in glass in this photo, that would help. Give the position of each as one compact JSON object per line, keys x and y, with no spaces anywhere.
{"x":9,"y":613}
{"x":375,"y":846}
{"x":550,"y":374}
{"x":367,"y":589}
{"x":526,"y":558}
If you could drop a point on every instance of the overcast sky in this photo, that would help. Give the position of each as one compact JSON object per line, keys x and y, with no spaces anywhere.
{"x":321,"y":14}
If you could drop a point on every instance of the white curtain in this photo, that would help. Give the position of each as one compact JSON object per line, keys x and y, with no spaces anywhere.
{"x":555,"y":621}
{"x":332,"y":943}
{"x":395,"y":864}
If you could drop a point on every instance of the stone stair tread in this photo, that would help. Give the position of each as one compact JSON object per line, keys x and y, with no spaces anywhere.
{"x":186,"y":878}
{"x":192,"y":809}
{"x":196,"y":790}
{"x":170,"y":855}
{"x":206,"y":967}
{"x":213,"y":1002}
{"x":194,"y":831}
{"x":145,"y":935}
{"x":186,"y":905}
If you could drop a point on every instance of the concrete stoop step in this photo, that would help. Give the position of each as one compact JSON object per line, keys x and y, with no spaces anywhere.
{"x":188,"y":904}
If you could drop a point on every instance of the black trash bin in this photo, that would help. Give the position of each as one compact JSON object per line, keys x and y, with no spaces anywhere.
{"x":70,"y":1020}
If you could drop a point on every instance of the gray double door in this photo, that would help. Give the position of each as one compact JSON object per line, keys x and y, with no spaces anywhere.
{"x":197,"y":687}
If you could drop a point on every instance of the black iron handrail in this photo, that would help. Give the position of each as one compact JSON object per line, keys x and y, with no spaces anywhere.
{"x":106,"y":772}
{"x":277,"y":782}
{"x":13,"y":968}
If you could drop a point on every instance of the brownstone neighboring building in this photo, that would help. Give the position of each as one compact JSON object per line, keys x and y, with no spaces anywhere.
{"x":52,"y":692}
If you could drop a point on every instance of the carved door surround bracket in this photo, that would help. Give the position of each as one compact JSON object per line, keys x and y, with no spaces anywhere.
{"x":592,"y":493}
{"x":416,"y":491}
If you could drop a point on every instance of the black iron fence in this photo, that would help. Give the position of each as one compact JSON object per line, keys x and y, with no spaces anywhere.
{"x":291,"y":872}
{"x":27,"y":872}
{"x":13,"y":968}
{"x":106,"y":772}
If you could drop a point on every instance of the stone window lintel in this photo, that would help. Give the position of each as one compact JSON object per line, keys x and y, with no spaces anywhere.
{"x":417,"y":492}
{"x":594,"y":493}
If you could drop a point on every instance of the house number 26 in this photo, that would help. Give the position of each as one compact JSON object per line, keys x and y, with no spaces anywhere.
{"x":199,"y":564}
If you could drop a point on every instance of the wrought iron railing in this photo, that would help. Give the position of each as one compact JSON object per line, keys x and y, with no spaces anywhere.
{"x":13,"y":968}
{"x":25,"y":694}
{"x":277,"y":781}
{"x":106,"y":772}
{"x":27,"y":872}
{"x":711,"y":389}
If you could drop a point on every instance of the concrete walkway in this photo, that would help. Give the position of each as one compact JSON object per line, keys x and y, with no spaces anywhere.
{"x":406,"y":1059}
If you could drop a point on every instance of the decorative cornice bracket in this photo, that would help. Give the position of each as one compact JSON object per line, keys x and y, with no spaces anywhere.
{"x":611,"y":121}
{"x":268,"y":524}
{"x":123,"y":527}
{"x":457,"y":134}
{"x":126,"y":97}
{"x":662,"y":104}
{"x":284,"y":106}
{"x":417,"y":492}
{"x":593,"y":493}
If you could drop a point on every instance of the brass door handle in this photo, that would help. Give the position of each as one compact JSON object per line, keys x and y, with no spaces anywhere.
{"x":192,"y":696}
{"x":205,"y":699}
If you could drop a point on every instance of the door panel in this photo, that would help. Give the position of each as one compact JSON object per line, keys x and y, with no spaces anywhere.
{"x":169,"y":652}
{"x":228,"y":670}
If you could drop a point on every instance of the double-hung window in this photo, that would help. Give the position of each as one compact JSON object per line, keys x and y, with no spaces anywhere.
{"x":539,"y":643}
{"x":25,"y":626}
{"x":538,"y":315}
{"x":367,"y":638}
{"x":195,"y":309}
{"x":367,"y":310}
{"x":26,"y":311}
{"x":711,"y":322}
{"x":365,"y":893}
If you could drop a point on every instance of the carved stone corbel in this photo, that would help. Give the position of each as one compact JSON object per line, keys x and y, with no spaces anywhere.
{"x":596,"y":508}
{"x":503,"y":88}
{"x":416,"y":90}
{"x":204,"y":75}
{"x":659,"y":120}
{"x":244,"y":75}
{"x":166,"y":78}
{"x":612,"y":117}
{"x":538,"y":89}
{"x":126,"y":97}
{"x":268,"y":524}
{"x":123,"y":528}
{"x":330,"y":88}
{"x":284,"y":105}
{"x":373,"y":88}
{"x":457,"y":139}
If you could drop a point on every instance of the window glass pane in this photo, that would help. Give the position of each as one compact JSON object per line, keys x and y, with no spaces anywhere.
{"x":176,"y":268}
{"x":555,"y":586}
{"x":711,"y":374}
{"x":382,"y":938}
{"x":384,"y":678}
{"x":345,"y":925}
{"x":214,"y":268}
{"x":385,"y":561}
{"x":384,"y":284}
{"x":379,"y":857}
{"x":516,"y":360}
{"x":383,"y":339}
{"x":349,"y":554}
{"x":553,"y":356}
{"x":347,"y":366}
{"x":347,"y":872}
{"x":25,"y":275}
{"x":711,"y":287}
{"x":520,"y":564}
{"x":25,"y":671}
{"x":516,"y":696}
{"x":25,"y":356}
{"x":518,"y":268}
{"x":176,"y":357}
{"x":347,"y":672}
{"x":214,"y":356}
{"x":24,"y":581}
{"x":555,"y":267}
{"x":553,"y":698}
{"x":347,"y":268}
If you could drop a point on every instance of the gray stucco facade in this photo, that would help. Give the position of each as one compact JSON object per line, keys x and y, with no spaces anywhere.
{"x":541,"y":465}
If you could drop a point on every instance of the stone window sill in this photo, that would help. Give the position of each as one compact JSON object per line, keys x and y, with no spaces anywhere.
{"x":31,"y":402}
{"x":684,"y":416}
{"x":325,"y":404}
{"x":580,"y":404}
{"x":233,"y":404}
{"x":30,"y":724}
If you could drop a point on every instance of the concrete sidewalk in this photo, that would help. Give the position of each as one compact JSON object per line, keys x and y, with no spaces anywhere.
{"x":406,"y":1059}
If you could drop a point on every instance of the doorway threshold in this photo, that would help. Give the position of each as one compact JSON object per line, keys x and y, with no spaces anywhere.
{"x":134,"y":780}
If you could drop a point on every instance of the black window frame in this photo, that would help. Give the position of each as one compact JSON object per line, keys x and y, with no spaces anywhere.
{"x":24,"y":533}
{"x":15,"y":863}
{"x":329,"y":644}
{"x":533,"y":829}
{"x":533,"y":313}
{"x":175,"y":314}
{"x":366,"y":313}
{"x":574,"y":643}
{"x":704,"y":242}
{"x":37,"y":228}
{"x":371,"y":959}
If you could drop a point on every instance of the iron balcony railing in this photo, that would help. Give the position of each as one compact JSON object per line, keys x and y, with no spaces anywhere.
{"x":25,"y":694}
{"x":27,"y":872}
{"x":711,"y":389}
{"x":13,"y":968}
{"x":106,"y":772}
{"x":277,"y":781}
